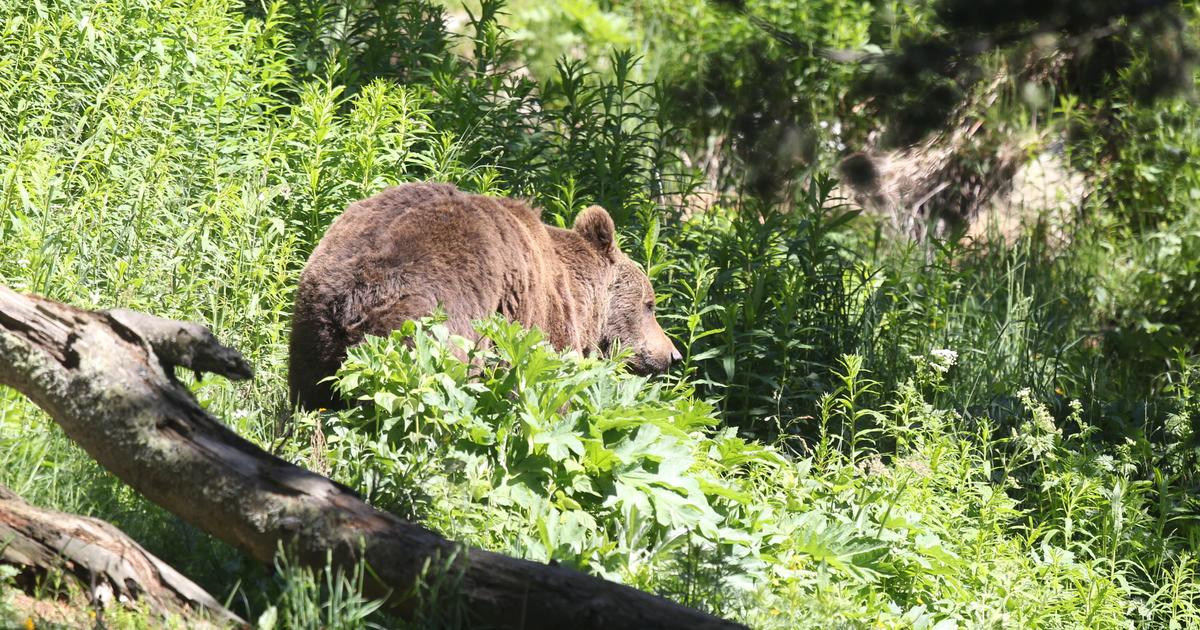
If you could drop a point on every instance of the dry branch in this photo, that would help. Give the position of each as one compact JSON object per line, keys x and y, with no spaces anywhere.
{"x":100,"y":558}
{"x":106,"y":378}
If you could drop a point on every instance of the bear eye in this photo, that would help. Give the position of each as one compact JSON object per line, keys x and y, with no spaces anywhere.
{"x":650,"y":306}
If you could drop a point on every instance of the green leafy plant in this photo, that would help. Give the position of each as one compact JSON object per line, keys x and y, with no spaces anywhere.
{"x":604,"y":464}
{"x":777,"y":302}
{"x":899,"y":513}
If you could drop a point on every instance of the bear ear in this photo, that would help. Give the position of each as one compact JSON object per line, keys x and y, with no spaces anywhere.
{"x":597,"y":227}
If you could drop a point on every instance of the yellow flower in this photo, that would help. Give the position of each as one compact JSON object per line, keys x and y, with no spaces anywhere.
{"x":29,"y":623}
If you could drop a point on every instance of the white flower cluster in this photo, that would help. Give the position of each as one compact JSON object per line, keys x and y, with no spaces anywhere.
{"x":943,"y":359}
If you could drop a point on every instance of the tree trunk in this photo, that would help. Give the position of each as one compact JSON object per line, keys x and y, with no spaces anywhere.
{"x":107,"y":379}
{"x":101,"y":558}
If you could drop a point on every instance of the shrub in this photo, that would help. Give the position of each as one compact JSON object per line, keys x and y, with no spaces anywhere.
{"x":909,"y":519}
{"x":562,"y":457}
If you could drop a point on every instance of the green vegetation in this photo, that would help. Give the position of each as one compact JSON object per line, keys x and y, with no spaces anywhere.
{"x":866,"y":431}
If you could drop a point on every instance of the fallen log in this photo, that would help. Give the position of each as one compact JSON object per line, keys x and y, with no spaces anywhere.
{"x":100,"y":558}
{"x":107,"y":379}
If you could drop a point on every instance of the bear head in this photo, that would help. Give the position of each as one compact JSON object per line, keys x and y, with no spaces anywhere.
{"x":629,"y":320}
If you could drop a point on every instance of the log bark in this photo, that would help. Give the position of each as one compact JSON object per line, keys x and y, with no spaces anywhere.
{"x":107,"y":379}
{"x":100,"y":558}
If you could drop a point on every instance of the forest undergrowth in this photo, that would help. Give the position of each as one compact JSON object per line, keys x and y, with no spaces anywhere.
{"x":865,"y":431}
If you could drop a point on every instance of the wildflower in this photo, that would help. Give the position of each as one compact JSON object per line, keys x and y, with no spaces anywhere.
{"x":917,"y":466}
{"x":873,"y":467}
{"x":943,"y":359}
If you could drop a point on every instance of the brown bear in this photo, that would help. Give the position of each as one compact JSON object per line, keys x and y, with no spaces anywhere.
{"x":402,"y":253}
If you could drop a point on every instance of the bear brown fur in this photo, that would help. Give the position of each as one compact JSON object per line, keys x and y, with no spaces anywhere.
{"x":402,"y":253}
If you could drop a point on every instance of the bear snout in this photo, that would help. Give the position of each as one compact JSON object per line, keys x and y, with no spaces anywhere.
{"x":648,"y":364}
{"x":666,"y":350}
{"x":655,"y":360}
